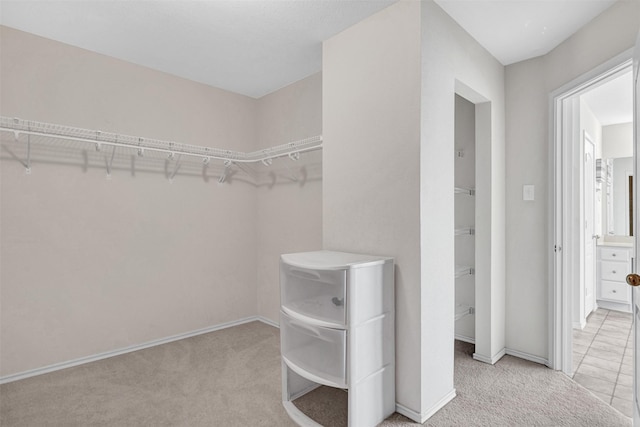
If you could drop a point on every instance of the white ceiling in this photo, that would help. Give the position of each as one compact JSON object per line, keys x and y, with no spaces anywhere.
{"x":612,"y":102}
{"x":515,"y":30}
{"x":245,"y":46}
{"x":254,"y":47}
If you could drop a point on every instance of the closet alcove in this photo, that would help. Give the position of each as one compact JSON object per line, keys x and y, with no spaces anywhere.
{"x":465,"y":247}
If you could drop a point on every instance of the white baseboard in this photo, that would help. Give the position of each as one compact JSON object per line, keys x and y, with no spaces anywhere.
{"x":527,"y":356}
{"x":424,"y":416}
{"x":580,"y":325}
{"x":465,"y":339}
{"x":107,"y":354}
{"x":609,"y":305}
{"x":490,"y":360}
{"x":268,"y":321}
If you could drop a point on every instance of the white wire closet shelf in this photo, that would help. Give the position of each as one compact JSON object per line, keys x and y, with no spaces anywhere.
{"x":467,"y":191}
{"x":464,"y":270}
{"x":99,"y":138}
{"x":461,"y":231}
{"x":463,"y":310}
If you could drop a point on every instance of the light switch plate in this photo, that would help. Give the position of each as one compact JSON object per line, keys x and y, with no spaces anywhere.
{"x":528,"y":192}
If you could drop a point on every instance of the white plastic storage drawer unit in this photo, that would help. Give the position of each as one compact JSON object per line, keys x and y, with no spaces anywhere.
{"x":337,"y":329}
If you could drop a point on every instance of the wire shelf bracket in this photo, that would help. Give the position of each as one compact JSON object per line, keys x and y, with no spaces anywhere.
{"x":465,"y":230}
{"x":467,"y":191}
{"x":462,"y":310}
{"x":175,"y":169}
{"x":463,"y":270}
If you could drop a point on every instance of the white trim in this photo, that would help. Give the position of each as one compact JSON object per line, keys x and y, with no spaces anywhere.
{"x":490,"y":360}
{"x":465,"y":339}
{"x":129,"y":349}
{"x":559,"y":234}
{"x":268,"y":321}
{"x":527,"y":356}
{"x":580,"y":325}
{"x":617,"y":306}
{"x":298,"y":416}
{"x":424,"y":416}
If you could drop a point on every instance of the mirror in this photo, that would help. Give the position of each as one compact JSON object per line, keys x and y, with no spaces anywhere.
{"x":619,"y":196}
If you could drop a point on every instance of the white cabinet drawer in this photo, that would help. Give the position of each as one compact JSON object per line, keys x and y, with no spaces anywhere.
{"x":614,"y":254}
{"x":318,"y":351}
{"x":615,"y":291}
{"x":615,"y":271}
{"x":319,"y":294}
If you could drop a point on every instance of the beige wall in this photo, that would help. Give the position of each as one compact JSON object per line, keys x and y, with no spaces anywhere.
{"x":371,"y":187}
{"x":388,"y":121}
{"x":617,"y":141}
{"x":452,"y":61}
{"x":90,"y":265}
{"x":289,"y":212}
{"x":528,"y":85}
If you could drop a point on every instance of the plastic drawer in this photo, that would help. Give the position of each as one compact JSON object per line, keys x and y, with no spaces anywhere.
{"x":319,"y":294}
{"x":615,"y":271}
{"x":314,"y":350}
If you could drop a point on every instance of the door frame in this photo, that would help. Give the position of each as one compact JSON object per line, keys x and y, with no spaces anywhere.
{"x":635,"y":329}
{"x":586,"y":237}
{"x":564,"y":203}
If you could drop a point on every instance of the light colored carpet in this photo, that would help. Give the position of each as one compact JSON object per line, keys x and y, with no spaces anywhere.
{"x":514,"y":392}
{"x":232,"y":378}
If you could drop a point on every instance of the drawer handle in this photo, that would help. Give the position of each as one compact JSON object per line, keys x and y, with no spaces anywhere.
{"x":614,"y":291}
{"x":613,"y":254}
{"x":614,"y":272}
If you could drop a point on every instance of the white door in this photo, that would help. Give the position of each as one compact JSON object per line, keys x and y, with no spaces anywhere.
{"x":634,"y":279}
{"x":589,"y":198}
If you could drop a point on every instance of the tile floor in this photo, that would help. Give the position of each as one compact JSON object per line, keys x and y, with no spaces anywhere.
{"x":603,"y":358}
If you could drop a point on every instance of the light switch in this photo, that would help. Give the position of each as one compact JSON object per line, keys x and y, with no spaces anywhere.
{"x":528,"y":192}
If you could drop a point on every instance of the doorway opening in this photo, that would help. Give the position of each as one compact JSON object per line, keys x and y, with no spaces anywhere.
{"x":592,"y":240}
{"x":479,"y":295}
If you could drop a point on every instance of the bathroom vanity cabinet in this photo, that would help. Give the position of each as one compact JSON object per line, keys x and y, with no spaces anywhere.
{"x":614,"y":263}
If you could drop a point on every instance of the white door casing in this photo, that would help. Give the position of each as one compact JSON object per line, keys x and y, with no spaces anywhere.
{"x":566,"y":207}
{"x":634,"y":269}
{"x":589,"y":238}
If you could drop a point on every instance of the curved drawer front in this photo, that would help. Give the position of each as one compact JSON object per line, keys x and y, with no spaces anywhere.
{"x":314,"y":349}
{"x":615,"y":271}
{"x":320,"y":294}
{"x":615,"y":291}
{"x":614,"y":254}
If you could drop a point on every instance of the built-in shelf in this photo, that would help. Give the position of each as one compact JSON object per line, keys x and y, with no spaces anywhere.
{"x":467,"y":191}
{"x":463,"y":310}
{"x":465,"y":230}
{"x":464,"y":270}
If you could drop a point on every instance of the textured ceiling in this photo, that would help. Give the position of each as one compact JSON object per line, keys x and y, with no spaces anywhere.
{"x":515,"y":30}
{"x":612,"y":102}
{"x":248,"y":47}
{"x":256,"y":47}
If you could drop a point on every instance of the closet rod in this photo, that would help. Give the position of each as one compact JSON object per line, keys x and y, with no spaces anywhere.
{"x":28,"y":127}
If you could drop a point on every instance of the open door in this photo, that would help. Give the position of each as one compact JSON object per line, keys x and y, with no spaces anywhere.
{"x":634,"y":279}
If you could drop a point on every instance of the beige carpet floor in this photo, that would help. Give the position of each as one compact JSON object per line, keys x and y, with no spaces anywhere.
{"x":232,"y":378}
